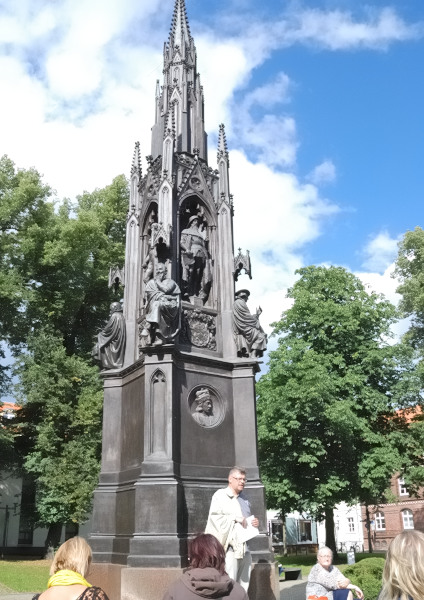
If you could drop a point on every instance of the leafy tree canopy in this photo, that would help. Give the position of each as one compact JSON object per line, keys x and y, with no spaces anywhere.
{"x":329,"y":424}
{"x":410,"y":272}
{"x":55,"y":261}
{"x":60,"y":424}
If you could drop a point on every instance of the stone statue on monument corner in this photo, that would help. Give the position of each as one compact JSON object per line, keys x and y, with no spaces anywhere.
{"x":109,"y":349}
{"x":249,"y":336}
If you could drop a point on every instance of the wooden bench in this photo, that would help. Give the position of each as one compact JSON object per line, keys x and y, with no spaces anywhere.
{"x":290,"y":574}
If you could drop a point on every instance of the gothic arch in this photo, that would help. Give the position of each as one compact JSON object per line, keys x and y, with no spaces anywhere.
{"x":153,"y":248}
{"x":157,"y":429}
{"x":191,"y":204}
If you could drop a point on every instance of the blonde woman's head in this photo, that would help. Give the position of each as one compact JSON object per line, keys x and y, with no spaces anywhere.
{"x":403,"y":575}
{"x":74,"y":555}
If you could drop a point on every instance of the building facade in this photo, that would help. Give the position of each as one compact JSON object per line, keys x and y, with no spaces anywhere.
{"x":387,"y":520}
{"x":297,"y":534}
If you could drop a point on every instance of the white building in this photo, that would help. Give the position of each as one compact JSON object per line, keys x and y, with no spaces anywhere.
{"x":348,"y":528}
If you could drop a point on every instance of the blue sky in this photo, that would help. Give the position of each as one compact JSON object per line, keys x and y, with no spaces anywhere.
{"x":322,"y":102}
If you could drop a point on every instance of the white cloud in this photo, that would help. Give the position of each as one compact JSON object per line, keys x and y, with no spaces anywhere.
{"x":382,"y":283}
{"x":385,"y":283}
{"x":272,"y":137}
{"x":323,"y":173}
{"x":270,"y":94}
{"x":380,"y":252}
{"x":275,"y":216}
{"x":338,"y":30}
{"x":220,"y":83}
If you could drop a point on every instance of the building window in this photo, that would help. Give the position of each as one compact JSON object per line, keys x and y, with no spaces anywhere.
{"x":402,"y":488}
{"x":305,"y":531}
{"x":26,"y":512}
{"x":380,"y":521}
{"x":277,"y":532}
{"x":25,"y":534}
{"x":351,"y":524}
{"x":408,"y":519}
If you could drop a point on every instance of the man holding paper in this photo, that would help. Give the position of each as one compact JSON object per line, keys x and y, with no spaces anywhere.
{"x":232,"y":523}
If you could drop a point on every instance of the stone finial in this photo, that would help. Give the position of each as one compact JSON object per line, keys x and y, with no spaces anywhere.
{"x":136,"y":162}
{"x":242,"y":261}
{"x":116,"y":277}
{"x":222,"y":144}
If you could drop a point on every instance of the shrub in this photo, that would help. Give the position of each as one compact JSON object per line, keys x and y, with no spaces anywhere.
{"x":367,"y":575}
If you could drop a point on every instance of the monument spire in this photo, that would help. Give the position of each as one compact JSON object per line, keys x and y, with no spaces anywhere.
{"x":180,"y":29}
{"x":181,"y":93}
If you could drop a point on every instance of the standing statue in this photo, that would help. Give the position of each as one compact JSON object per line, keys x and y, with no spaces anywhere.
{"x":162,"y":310}
{"x":249,"y":336}
{"x":149,"y":263}
{"x":195,"y":262}
{"x":109,"y":350}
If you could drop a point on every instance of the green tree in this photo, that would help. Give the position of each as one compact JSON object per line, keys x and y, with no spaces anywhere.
{"x":24,"y":206}
{"x":329,"y":424}
{"x":24,"y":209}
{"x":410,"y":272}
{"x":59,"y":433}
{"x":54,"y":290}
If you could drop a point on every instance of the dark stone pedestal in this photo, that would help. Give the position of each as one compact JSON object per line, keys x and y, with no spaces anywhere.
{"x":138,"y":583}
{"x":160,"y":468}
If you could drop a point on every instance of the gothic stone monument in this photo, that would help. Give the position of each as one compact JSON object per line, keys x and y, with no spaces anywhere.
{"x":179,"y":411}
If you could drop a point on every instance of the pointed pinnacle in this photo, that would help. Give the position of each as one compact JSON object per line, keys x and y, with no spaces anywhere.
{"x":136,"y":161}
{"x":179,"y":26}
{"x":222,"y":143}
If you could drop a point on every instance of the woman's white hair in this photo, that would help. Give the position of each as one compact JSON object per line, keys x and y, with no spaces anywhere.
{"x":325,"y":549}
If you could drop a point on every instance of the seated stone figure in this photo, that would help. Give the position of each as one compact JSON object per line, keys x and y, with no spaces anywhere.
{"x":109,"y":350}
{"x":162,"y":309}
{"x":249,"y":336}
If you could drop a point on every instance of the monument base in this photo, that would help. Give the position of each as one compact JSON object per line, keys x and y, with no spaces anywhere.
{"x":138,"y":583}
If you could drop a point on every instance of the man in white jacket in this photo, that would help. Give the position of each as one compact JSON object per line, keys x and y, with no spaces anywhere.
{"x":228,"y":515}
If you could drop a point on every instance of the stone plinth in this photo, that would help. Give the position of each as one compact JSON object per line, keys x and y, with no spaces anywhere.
{"x":138,"y":583}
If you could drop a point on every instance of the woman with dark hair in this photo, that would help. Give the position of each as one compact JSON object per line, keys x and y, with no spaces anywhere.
{"x":206,"y":576}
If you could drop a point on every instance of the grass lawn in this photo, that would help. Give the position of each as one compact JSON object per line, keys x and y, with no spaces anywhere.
{"x":307,"y":561}
{"x":23,"y":575}
{"x":32,"y":575}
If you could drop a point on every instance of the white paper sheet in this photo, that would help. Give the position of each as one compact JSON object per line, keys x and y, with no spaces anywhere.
{"x":244,"y":534}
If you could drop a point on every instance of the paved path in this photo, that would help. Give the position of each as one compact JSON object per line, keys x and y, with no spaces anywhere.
{"x":27,"y":596}
{"x":293,"y":590}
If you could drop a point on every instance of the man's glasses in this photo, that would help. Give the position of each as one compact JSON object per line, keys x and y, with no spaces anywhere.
{"x":239,"y":478}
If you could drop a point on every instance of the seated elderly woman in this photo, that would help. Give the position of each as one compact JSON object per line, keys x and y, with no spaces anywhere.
{"x":403,"y":575}
{"x":326,"y":581}
{"x":206,"y":576}
{"x":68,"y":571}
